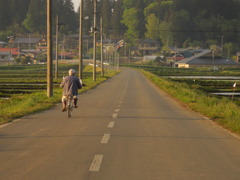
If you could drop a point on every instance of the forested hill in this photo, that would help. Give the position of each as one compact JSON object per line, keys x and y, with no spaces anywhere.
{"x":173,"y":22}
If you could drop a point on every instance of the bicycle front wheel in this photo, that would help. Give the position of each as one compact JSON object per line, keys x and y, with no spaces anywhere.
{"x":69,"y":111}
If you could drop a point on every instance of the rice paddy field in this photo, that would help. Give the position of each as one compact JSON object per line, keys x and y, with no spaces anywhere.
{"x":24,"y":79}
{"x":206,"y":79}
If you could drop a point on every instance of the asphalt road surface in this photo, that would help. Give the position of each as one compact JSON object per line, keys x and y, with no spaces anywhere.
{"x":124,"y":129}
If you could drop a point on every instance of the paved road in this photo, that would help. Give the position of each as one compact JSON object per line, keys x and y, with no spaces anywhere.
{"x":125,"y":129}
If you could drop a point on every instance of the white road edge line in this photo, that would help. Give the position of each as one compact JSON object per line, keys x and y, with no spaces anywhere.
{"x":114,"y":115}
{"x":96,"y":163}
{"x":4,"y":125}
{"x":111,"y":124}
{"x":9,"y":123}
{"x":105,"y":139}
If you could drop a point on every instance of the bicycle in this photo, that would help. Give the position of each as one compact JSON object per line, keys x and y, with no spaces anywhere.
{"x":70,"y":102}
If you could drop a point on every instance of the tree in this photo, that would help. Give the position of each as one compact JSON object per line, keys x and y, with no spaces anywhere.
{"x":228,"y":49}
{"x":140,"y":5}
{"x":165,"y":34}
{"x":128,"y":4}
{"x":106,"y":17}
{"x":130,"y":20}
{"x":152,"y":8}
{"x":36,"y":17}
{"x":152,"y":27}
{"x":87,"y":12}
{"x":68,"y":17}
{"x":26,"y":60}
{"x":117,"y":27}
{"x":17,"y":60}
{"x":165,"y":50}
{"x":18,"y":9}
{"x":181,"y":24}
{"x":4,"y":14}
{"x":23,"y":60}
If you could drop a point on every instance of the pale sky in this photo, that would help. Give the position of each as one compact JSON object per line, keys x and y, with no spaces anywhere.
{"x":76,"y":4}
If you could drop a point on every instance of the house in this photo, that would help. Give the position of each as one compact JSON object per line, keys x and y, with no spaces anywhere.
{"x":42,"y":45}
{"x":177,"y":54}
{"x":148,"y":47}
{"x":5,"y":57}
{"x":72,"y":41}
{"x":14,"y":52}
{"x":29,"y":42}
{"x":206,"y":58}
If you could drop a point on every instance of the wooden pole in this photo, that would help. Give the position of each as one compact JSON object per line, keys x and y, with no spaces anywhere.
{"x":80,"y":40}
{"x":94,"y":39}
{"x":102,"y":65}
{"x":56,"y":59}
{"x":49,"y":50}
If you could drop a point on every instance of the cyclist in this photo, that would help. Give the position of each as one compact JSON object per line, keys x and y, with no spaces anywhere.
{"x":70,"y":85}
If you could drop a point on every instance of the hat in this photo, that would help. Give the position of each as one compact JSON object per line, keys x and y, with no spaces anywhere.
{"x":71,"y":72}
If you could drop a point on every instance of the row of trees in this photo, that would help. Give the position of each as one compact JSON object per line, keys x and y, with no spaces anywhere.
{"x":182,"y":22}
{"x":29,"y":16}
{"x":179,"y":23}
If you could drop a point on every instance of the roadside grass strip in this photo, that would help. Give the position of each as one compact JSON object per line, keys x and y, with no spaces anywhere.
{"x":221,"y":110}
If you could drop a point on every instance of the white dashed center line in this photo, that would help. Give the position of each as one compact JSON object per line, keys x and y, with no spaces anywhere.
{"x":97,"y":160}
{"x":105,"y":139}
{"x":111,"y":124}
{"x":96,"y":163}
{"x":114,"y":115}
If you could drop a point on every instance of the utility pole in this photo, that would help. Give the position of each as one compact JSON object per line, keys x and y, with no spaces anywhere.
{"x":213,"y":54}
{"x":102,"y":65}
{"x":49,"y":50}
{"x":118,"y":59}
{"x":222,"y":45}
{"x":94,"y":39}
{"x":56,"y":60}
{"x":80,"y":40}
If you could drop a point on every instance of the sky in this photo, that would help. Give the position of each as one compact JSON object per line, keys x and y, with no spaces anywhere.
{"x":76,"y":4}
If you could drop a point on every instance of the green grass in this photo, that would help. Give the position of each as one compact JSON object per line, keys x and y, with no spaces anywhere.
{"x":221,"y":110}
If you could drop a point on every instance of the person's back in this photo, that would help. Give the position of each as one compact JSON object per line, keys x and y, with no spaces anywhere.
{"x":70,"y":85}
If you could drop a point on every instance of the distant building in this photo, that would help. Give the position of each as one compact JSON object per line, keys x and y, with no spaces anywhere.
{"x":5,"y":56}
{"x":14,"y":52}
{"x":72,"y":41}
{"x":148,"y":47}
{"x":28,"y":42}
{"x":205,"y":58}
